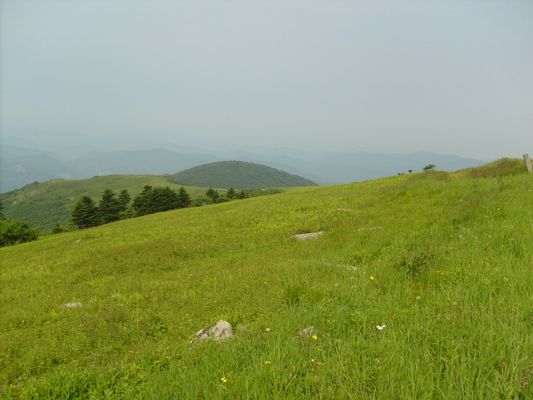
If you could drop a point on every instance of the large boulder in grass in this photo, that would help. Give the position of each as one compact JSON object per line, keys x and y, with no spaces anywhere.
{"x":220,"y":331}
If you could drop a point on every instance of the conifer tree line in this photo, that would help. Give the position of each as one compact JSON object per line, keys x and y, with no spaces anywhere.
{"x":88,"y":213}
{"x":110,"y":207}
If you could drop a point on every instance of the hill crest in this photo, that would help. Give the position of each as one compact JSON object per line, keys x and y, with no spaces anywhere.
{"x":239,"y":174}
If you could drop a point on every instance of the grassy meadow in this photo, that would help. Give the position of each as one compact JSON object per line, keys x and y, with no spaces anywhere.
{"x":443,"y":260}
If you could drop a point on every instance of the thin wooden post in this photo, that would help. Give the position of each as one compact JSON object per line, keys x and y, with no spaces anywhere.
{"x":527,"y":160}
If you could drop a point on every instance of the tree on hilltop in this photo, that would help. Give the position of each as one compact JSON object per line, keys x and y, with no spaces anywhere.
{"x":85,"y":213}
{"x":242,"y":195}
{"x":155,"y":199}
{"x":429,"y":167}
{"x":109,"y":207}
{"x":231,"y":194}
{"x":212,"y":194}
{"x":141,"y":203}
{"x":124,"y":199}
{"x":184,"y":200}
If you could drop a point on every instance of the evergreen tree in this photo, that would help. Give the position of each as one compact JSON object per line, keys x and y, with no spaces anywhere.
{"x":164,"y":199}
{"x":429,"y":167}
{"x":231,"y":194}
{"x":242,"y":195}
{"x":58,"y":229}
{"x":141,"y":203}
{"x":124,"y":199}
{"x":152,"y":200}
{"x":109,"y":207}
{"x":184,"y":200}
{"x":212,"y":194}
{"x":85,"y":213}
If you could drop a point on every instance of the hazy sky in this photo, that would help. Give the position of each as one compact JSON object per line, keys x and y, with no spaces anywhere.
{"x":449,"y":76}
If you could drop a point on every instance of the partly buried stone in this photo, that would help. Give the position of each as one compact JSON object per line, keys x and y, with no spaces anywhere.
{"x":72,"y":305}
{"x":370,"y":228}
{"x":220,"y":331}
{"x":308,"y":331}
{"x":308,"y":236}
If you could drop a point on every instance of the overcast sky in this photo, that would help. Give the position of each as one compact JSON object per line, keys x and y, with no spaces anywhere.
{"x":449,"y":76}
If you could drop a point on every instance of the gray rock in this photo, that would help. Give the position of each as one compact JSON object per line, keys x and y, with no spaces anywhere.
{"x":72,"y":305}
{"x":370,"y":228}
{"x":308,"y":236}
{"x":308,"y":331}
{"x":220,"y":331}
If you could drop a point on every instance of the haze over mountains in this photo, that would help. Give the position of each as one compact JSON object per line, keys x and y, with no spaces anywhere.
{"x":20,"y":166}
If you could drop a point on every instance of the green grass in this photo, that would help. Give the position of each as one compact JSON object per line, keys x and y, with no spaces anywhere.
{"x":43,"y":205}
{"x":443,"y":260}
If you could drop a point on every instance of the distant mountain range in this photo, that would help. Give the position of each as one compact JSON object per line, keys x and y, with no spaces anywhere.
{"x":20,"y":166}
{"x":328,"y":167}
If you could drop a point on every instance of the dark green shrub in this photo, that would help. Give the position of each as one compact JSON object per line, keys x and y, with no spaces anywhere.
{"x":13,"y":232}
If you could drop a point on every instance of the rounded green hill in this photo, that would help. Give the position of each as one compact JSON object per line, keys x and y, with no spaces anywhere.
{"x":239,"y":174}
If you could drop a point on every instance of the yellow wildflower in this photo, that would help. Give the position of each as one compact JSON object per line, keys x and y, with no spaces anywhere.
{"x":268,"y":362}
{"x":372,"y":277}
{"x":314,"y":337}
{"x":224,"y":379}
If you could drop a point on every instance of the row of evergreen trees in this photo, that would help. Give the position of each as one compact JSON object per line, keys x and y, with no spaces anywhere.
{"x":111,"y":207}
{"x":231,"y":194}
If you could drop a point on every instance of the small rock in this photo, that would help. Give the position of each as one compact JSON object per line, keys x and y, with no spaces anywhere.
{"x":344,"y":210}
{"x":267,"y":330}
{"x":72,"y":305}
{"x":220,"y":331}
{"x":308,"y":331}
{"x":351,"y":268}
{"x":308,"y":236}
{"x":370,"y":228}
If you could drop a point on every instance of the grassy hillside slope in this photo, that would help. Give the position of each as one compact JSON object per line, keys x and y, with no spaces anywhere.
{"x":43,"y":205}
{"x":443,"y":260}
{"x":239,"y":174}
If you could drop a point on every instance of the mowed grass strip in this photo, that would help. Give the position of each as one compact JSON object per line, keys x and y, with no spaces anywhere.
{"x":443,"y":261}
